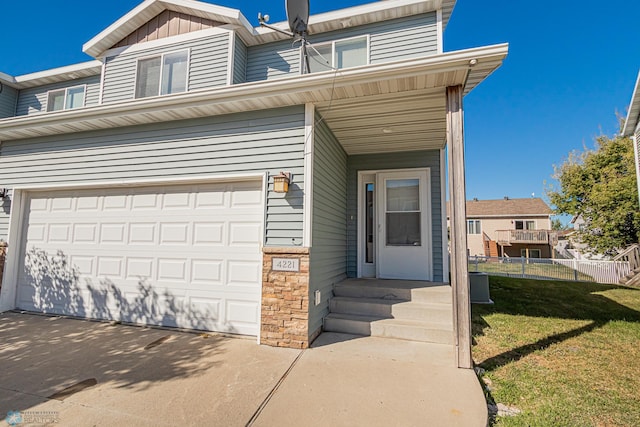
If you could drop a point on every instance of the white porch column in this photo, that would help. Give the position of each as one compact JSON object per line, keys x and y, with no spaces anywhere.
{"x":458,"y":222}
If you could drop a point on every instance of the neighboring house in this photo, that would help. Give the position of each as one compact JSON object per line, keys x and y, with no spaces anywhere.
{"x":143,"y":183}
{"x":631,"y":126}
{"x":510,"y":228}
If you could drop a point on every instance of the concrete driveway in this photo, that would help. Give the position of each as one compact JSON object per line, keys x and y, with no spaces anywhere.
{"x":79,"y":373}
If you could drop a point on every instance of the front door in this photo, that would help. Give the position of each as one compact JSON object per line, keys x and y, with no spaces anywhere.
{"x":397,"y":233}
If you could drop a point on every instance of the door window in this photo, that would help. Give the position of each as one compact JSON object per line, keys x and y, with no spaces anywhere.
{"x":402,"y":215}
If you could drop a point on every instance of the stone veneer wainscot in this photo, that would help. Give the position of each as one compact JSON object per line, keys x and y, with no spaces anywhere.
{"x":285,"y":300}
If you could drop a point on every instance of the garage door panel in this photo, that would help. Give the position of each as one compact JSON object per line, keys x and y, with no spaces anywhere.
{"x":174,"y":256}
{"x":243,"y":273}
{"x":208,"y":233}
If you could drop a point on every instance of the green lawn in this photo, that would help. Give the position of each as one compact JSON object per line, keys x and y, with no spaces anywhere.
{"x":564,"y":353}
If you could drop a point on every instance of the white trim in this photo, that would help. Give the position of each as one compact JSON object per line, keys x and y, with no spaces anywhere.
{"x":102,"y":79}
{"x":636,"y":156}
{"x":427,"y":210}
{"x":633,"y":115}
{"x":280,"y":92}
{"x":360,"y":223}
{"x":66,"y":93}
{"x":309,"y":149}
{"x":162,"y":56}
{"x":8,"y":292}
{"x":265,"y":192}
{"x":443,"y":203}
{"x":147,"y":182}
{"x":69,"y":69}
{"x":440,"y":32}
{"x":180,"y":38}
{"x":149,"y":8}
{"x":366,"y":37}
{"x":231,"y":55}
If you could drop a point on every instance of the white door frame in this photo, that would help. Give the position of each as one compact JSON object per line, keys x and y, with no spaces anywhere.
{"x":428,"y":218}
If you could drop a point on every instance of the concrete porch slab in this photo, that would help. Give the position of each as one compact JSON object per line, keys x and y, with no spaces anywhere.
{"x":352,"y":380}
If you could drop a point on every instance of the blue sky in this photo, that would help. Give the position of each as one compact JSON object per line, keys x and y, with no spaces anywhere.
{"x":572,"y":65}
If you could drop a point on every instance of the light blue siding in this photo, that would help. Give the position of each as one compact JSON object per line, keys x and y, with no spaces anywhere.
{"x":8,"y":99}
{"x":240,"y":62}
{"x":413,"y":159}
{"x":273,"y":61}
{"x":328,"y":257}
{"x":267,"y":141}
{"x":393,"y":40}
{"x":34,"y":100}
{"x":208,"y":66}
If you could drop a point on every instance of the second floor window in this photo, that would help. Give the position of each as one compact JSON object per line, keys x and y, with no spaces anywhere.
{"x":65,"y":99}
{"x":473,"y":226}
{"x":338,"y":54}
{"x":162,"y":74}
{"x":525,"y":225}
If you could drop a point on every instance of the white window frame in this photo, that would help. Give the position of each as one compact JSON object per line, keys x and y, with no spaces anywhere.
{"x":366,"y":37}
{"x":66,"y":93}
{"x":161,"y":56}
{"x":477,"y":226}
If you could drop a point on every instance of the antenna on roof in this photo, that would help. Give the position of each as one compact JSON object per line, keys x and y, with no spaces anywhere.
{"x":298,"y":17}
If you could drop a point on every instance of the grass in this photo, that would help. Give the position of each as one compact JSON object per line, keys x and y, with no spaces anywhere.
{"x":564,"y":353}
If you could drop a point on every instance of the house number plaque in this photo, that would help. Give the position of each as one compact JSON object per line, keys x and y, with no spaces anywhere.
{"x":286,"y":264}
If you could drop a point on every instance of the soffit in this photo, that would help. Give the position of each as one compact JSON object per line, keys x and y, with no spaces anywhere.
{"x":369,"y":95}
{"x":633,"y":116}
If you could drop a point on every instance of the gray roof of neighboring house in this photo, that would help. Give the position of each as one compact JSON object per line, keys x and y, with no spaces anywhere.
{"x":506,"y":207}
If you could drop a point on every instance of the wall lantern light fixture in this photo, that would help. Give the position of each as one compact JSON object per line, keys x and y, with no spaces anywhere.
{"x":281,"y":182}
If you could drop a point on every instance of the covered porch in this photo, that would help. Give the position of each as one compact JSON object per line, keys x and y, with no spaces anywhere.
{"x":397,"y":133}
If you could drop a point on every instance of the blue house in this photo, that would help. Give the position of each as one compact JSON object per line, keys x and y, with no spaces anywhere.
{"x":194,"y":175}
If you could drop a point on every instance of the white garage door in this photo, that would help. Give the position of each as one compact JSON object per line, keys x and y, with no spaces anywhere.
{"x":186,"y":256}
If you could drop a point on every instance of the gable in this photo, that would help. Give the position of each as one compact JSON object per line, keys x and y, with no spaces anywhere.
{"x":167,"y":24}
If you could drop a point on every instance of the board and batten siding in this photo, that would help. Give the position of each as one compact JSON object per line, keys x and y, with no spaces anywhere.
{"x":239,"y":62}
{"x":404,"y":38}
{"x":378,"y":162}
{"x":328,"y":256}
{"x":34,"y":100}
{"x":208,"y":66}
{"x":256,"y":142}
{"x":8,"y":99}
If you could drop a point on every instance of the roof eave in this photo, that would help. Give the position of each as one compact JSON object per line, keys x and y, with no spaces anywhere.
{"x":150,"y":8}
{"x":243,"y":97}
{"x":633,"y":116}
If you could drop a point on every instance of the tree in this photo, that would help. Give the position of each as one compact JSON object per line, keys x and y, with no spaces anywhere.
{"x":557,"y":225}
{"x":600,"y":186}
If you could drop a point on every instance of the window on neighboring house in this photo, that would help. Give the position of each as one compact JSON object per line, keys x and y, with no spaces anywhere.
{"x":473,"y":226}
{"x":525,"y":225}
{"x":162,"y":74}
{"x":338,"y":54}
{"x":65,"y":99}
{"x":533,"y":253}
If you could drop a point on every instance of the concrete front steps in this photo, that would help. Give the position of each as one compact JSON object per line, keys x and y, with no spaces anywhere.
{"x":409,"y":310}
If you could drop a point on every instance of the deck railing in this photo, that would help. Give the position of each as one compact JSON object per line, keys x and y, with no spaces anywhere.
{"x":523,"y":236}
{"x":559,"y":269}
{"x":631,"y":255}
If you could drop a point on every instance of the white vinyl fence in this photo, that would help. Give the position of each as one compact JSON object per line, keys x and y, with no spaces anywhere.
{"x":559,"y":269}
